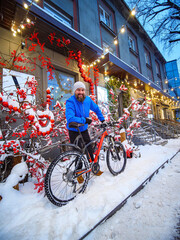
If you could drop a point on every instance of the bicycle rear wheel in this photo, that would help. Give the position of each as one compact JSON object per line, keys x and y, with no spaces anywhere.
{"x":116,"y":158}
{"x":61,"y":185}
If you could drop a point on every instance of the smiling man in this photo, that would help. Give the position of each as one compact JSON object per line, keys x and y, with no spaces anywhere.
{"x":78,"y":108}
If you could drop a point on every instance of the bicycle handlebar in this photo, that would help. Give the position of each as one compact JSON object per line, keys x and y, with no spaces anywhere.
{"x":107,"y":124}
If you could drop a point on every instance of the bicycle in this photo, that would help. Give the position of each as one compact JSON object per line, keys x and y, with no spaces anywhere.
{"x":61,"y":184}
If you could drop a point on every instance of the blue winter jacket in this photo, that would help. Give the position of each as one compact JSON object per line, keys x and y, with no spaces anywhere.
{"x":77,"y":111}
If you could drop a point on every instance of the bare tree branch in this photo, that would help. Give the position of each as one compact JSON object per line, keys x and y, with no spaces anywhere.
{"x":175,"y":40}
{"x":162,"y":18}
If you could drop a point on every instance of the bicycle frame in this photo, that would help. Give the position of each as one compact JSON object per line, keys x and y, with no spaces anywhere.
{"x":103,"y":135}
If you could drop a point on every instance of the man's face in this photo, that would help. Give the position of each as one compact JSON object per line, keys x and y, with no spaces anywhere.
{"x":80,"y":94}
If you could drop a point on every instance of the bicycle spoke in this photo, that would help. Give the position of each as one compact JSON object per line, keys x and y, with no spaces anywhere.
{"x":61,"y":184}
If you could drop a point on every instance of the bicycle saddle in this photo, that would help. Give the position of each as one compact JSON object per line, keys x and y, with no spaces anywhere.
{"x":75,"y":125}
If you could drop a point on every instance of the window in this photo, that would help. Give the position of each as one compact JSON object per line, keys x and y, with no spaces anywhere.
{"x":147,"y":57}
{"x":102,"y":95}
{"x":105,"y":17}
{"x":131,"y":43}
{"x":158,"y":69}
{"x":13,"y":80}
{"x":103,"y":100}
{"x":58,"y":15}
{"x":61,"y":86}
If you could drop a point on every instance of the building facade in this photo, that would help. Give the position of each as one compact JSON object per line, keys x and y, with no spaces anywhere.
{"x":173,"y":82}
{"x":107,"y":35}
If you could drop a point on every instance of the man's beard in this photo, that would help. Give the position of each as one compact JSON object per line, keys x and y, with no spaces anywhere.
{"x":80,"y":97}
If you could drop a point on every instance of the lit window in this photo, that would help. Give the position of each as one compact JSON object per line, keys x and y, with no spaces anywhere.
{"x":105,"y":17}
{"x":61,"y":86}
{"x":102,"y":94}
{"x":58,"y":15}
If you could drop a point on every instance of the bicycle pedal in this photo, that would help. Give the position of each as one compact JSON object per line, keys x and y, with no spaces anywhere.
{"x":80,"y":179}
{"x":99,"y":173}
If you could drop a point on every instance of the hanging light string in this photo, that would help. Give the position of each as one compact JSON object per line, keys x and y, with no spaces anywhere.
{"x":174,"y":78}
{"x":26,"y":21}
{"x":123,"y":28}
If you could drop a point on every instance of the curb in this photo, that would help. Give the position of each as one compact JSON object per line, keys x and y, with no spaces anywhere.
{"x":141,"y":186}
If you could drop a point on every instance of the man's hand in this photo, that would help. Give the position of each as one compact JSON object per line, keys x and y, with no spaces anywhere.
{"x":88,"y":120}
{"x":104,"y":124}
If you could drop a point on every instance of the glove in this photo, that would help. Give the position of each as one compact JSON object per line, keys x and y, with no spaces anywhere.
{"x":104,"y":124}
{"x":88,"y":120}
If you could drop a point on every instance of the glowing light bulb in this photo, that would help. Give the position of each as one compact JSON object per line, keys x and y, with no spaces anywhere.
{"x":133,"y":12}
{"x":28,"y":20}
{"x":122,"y":30}
{"x":25,"y":6}
{"x":115,"y":41}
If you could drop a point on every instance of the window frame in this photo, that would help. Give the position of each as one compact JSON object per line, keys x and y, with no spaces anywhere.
{"x":103,"y":19}
{"x":62,"y":72}
{"x":59,"y":14}
{"x":147,"y":56}
{"x":158,"y":70}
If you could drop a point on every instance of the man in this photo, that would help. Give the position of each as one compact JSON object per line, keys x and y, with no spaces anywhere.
{"x":78,"y":107}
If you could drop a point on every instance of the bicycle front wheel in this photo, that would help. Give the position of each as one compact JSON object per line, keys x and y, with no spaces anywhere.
{"x":116,"y":158}
{"x":61,"y":184}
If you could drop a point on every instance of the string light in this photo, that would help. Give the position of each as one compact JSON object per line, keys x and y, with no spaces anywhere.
{"x":122,"y":30}
{"x":26,"y":6}
{"x":115,"y":41}
{"x":133,"y":12}
{"x":28,"y":20}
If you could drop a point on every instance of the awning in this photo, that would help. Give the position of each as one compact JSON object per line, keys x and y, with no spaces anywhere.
{"x":112,"y":65}
{"x":45,"y":24}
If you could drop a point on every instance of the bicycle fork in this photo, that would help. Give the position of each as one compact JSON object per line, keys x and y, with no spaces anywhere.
{"x":114,"y":153}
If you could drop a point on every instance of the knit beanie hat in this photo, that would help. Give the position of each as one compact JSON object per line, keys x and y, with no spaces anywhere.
{"x":78,"y":85}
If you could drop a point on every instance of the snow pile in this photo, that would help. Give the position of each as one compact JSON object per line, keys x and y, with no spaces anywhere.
{"x":28,"y":215}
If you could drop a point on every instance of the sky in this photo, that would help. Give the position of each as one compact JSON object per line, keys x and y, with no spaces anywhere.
{"x":168,"y":54}
{"x":151,"y":214}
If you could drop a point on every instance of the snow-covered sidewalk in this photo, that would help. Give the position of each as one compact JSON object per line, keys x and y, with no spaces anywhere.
{"x":154,"y":213}
{"x":28,"y":215}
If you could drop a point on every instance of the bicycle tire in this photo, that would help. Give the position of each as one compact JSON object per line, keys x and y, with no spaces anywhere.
{"x":61,"y":185}
{"x":116,"y":158}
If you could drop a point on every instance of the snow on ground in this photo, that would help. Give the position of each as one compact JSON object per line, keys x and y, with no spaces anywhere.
{"x":151,"y":214}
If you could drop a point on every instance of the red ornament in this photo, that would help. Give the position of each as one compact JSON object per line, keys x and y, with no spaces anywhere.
{"x":5,"y":104}
{"x":31,"y":117}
